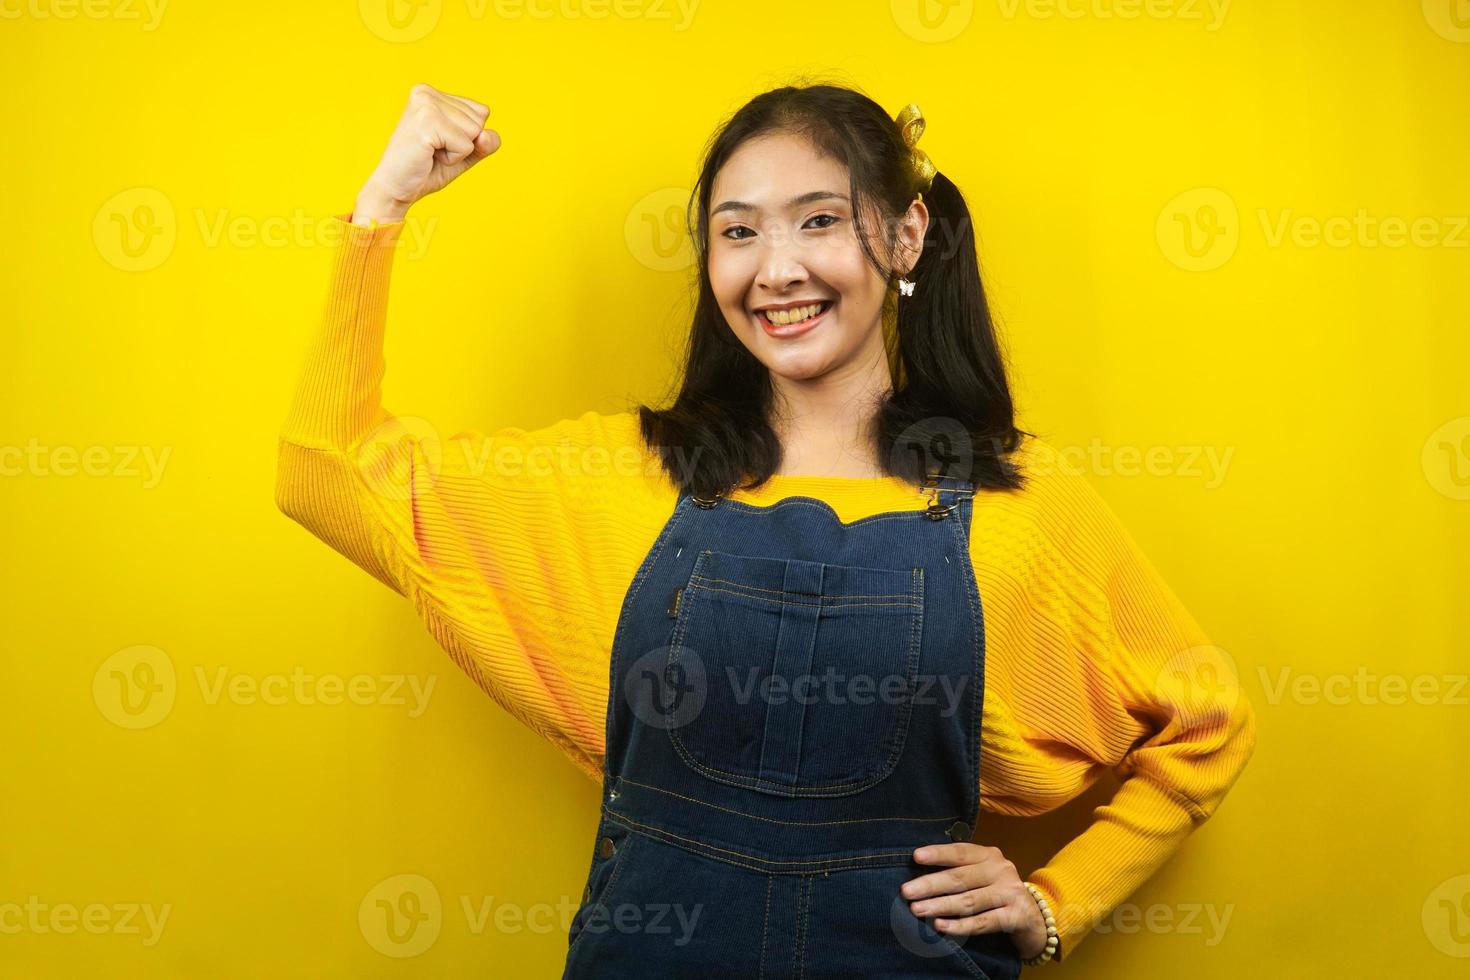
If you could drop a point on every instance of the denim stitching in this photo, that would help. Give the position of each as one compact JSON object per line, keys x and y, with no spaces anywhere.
{"x":853,"y":861}
{"x":619,"y":862}
{"x":765,"y":927}
{"x":814,"y":504}
{"x":793,"y":823}
{"x":897,"y":738}
{"x":786,"y":600}
{"x":804,"y":908}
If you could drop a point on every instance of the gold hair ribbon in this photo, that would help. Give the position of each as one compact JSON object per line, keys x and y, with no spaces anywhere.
{"x":910,"y":121}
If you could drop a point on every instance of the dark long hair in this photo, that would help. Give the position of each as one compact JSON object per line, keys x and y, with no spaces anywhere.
{"x":950,"y":411}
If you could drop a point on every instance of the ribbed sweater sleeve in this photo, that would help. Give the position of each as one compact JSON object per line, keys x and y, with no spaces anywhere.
{"x":515,"y":547}
{"x":1094,"y":664}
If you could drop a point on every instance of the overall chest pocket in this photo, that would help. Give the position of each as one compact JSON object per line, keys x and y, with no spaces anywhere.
{"x":800,"y":674}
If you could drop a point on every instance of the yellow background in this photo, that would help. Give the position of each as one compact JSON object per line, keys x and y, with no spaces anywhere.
{"x":1329,"y":377}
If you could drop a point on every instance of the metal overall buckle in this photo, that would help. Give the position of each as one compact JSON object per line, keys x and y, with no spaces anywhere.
{"x":705,"y":503}
{"x":937,"y":511}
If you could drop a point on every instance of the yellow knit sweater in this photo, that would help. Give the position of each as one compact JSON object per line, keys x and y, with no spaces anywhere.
{"x":516,"y":549}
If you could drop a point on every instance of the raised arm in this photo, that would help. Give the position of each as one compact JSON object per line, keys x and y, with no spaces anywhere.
{"x":510,"y":545}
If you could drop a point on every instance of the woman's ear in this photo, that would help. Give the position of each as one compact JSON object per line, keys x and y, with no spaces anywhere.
{"x":913,"y":227}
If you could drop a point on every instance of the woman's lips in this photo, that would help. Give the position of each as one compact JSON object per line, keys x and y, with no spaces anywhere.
{"x":786,"y":331}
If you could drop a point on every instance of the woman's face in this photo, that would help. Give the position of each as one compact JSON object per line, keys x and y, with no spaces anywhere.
{"x":782,"y":235}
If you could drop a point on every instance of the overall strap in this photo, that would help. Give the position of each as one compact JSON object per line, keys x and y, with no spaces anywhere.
{"x":945,"y":494}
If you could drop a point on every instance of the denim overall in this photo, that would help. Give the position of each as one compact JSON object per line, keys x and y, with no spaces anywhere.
{"x":794,"y":707}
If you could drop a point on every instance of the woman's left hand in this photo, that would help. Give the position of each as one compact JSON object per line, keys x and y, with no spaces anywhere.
{"x":980,"y":892}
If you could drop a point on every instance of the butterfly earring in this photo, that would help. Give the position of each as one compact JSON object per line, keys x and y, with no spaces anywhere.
{"x":905,"y":287}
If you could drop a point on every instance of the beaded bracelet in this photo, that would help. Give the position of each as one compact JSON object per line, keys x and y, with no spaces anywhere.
{"x":1051,"y":928}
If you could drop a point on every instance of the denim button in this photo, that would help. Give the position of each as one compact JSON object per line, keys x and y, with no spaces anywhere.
{"x":606,"y":848}
{"x":959,"y":831}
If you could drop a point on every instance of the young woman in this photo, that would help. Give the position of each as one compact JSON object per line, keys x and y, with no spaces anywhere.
{"x":783,"y":618}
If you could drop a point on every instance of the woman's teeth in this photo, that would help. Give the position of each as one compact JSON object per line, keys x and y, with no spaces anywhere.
{"x":796,"y":315}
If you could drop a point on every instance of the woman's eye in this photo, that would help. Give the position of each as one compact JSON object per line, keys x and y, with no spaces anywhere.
{"x":729,"y":232}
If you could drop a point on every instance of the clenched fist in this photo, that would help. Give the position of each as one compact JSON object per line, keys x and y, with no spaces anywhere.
{"x":439,"y":137}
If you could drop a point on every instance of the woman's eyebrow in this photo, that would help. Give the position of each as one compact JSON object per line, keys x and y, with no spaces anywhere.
{"x":795,"y":202}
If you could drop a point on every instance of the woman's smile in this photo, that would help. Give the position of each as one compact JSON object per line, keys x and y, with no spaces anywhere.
{"x":785,"y":331}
